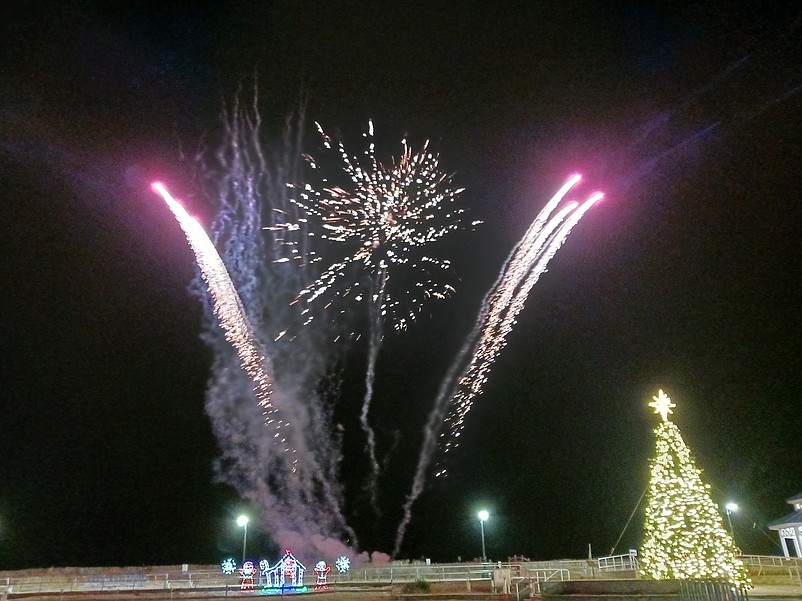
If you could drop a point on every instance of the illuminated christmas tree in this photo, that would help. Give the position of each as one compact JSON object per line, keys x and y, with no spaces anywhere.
{"x":684,"y":534}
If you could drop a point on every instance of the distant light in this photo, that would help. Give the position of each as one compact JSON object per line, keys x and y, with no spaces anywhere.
{"x":731,"y":507}
{"x":483,"y":515}
{"x":242,"y":521}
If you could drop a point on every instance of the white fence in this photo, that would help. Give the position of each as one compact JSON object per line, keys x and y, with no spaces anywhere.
{"x":618,"y":563}
{"x":211,"y":577}
{"x":524,"y":575}
{"x":532,"y":579}
{"x":761,"y":564}
{"x":133,"y":581}
{"x":710,"y":590}
{"x":402,"y":572}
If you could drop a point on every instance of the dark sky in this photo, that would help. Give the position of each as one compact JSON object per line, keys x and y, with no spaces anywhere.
{"x":686,"y":278}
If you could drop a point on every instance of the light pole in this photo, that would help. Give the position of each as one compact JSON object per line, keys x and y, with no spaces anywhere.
{"x":242,"y":522}
{"x":730,"y":507}
{"x":483,"y":515}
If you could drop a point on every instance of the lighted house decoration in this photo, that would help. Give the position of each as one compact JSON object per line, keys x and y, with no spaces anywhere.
{"x":790,"y":528}
{"x":287,"y":573}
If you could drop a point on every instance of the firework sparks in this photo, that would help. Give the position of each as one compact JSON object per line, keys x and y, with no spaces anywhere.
{"x":500,"y":307}
{"x":228,"y":309}
{"x":381,"y":217}
{"x":506,"y":302}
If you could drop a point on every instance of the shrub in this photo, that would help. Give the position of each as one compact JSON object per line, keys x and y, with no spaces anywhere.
{"x":418,"y":586}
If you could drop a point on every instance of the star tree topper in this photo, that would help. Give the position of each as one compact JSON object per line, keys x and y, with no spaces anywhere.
{"x":662,"y":404}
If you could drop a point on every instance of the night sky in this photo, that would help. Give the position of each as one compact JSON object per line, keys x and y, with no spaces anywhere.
{"x":686,"y":278}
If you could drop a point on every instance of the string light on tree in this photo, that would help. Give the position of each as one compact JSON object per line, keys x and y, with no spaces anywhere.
{"x":684,"y":535}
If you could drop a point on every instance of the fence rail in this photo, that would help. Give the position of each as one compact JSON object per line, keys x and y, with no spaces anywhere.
{"x":528,"y":573}
{"x":534,"y":578}
{"x":690,"y":590}
{"x":618,"y":563}
{"x":761,"y":563}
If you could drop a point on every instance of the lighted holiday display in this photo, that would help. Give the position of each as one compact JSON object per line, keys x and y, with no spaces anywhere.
{"x":343,"y":564}
{"x":229,"y":566}
{"x":684,"y":534}
{"x":288,"y":572}
{"x":287,"y":575}
{"x":264,"y":566}
{"x":247,"y":571}
{"x":322,"y":570}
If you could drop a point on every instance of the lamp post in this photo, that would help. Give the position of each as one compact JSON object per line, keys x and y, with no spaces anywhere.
{"x":242,"y":522}
{"x":483,"y":515}
{"x":730,"y":507}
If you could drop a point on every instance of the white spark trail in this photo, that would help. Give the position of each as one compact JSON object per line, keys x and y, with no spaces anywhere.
{"x":229,"y":310}
{"x":374,"y":344}
{"x":504,"y":311}
{"x":525,"y":264}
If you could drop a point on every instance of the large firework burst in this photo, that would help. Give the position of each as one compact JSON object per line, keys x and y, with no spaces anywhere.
{"x":382,"y":215}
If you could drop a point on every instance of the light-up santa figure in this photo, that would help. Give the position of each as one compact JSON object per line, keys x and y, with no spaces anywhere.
{"x":247,"y":571}
{"x":322,"y":570}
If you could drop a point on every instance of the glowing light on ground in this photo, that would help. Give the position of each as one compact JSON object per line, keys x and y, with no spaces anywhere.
{"x":229,"y":311}
{"x":499,"y":310}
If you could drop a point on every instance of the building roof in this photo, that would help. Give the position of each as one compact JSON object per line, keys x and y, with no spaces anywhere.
{"x":792,"y":519}
{"x":797,"y":498}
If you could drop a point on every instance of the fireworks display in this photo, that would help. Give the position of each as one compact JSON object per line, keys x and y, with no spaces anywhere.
{"x":298,"y":494}
{"x":502,"y":304}
{"x":506,"y":299}
{"x":228,"y":309}
{"x":381,"y":216}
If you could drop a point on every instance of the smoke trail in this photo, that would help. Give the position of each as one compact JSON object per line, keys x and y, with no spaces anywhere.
{"x":228,"y":309}
{"x":505,"y":299}
{"x":298,"y":502}
{"x":374,"y":344}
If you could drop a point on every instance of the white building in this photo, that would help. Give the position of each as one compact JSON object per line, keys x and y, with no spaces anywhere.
{"x":790,"y":528}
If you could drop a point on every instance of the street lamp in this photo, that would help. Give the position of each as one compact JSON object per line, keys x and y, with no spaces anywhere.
{"x":730,"y":507}
{"x":483,"y":515}
{"x":242,"y":522}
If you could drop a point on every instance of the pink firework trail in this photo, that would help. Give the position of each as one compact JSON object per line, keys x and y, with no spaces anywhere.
{"x":505,"y":305}
{"x":500,"y":308}
{"x":229,"y":311}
